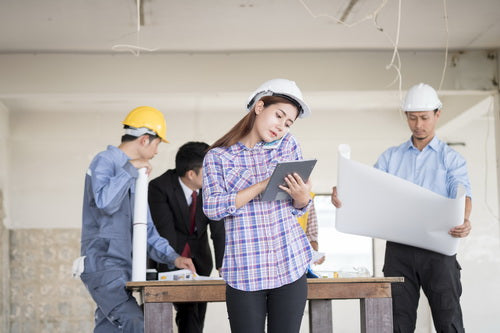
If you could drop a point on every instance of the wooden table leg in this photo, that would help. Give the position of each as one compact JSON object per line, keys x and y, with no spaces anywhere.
{"x":320,"y":316}
{"x":158,"y":318}
{"x":376,"y":315}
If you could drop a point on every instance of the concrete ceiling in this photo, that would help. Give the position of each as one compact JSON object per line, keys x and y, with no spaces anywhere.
{"x":239,"y":25}
{"x":168,"y":26}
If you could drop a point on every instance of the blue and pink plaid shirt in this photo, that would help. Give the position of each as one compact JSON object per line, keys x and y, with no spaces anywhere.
{"x":265,"y":246}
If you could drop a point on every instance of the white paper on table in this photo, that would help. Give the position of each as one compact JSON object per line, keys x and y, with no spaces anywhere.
{"x":316,"y":256}
{"x":183,"y":275}
{"x":377,"y":204}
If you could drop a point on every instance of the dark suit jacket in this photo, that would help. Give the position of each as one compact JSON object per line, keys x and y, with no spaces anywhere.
{"x":170,"y":214}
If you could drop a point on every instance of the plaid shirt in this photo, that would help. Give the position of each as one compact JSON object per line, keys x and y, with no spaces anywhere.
{"x":265,"y":246}
{"x":312,"y":224}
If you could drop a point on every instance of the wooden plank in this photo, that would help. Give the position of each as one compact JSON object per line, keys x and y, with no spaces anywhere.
{"x":214,"y":293}
{"x":320,"y":316}
{"x":374,"y":295}
{"x":348,"y":290}
{"x":140,"y":284}
{"x":357,"y":280}
{"x":158,"y":318}
{"x":376,"y":315}
{"x":186,"y":291}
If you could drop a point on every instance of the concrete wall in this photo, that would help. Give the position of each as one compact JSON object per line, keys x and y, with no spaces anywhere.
{"x":4,"y":274}
{"x":54,"y":127}
{"x":4,"y":232}
{"x":43,"y":296}
{"x":479,"y":253}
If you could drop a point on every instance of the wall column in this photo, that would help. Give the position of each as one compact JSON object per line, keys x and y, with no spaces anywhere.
{"x":4,"y":231}
{"x":496,"y":112}
{"x":5,"y":271}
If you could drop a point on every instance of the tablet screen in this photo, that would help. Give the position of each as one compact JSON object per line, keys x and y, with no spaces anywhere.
{"x":302,"y":167}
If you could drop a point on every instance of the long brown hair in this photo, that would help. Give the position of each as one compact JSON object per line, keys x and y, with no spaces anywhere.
{"x":245,"y":125}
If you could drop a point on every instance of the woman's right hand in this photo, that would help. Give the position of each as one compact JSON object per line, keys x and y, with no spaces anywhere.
{"x":335,"y":200}
{"x":246,"y":195}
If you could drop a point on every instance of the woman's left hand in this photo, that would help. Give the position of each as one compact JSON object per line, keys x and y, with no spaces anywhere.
{"x":297,"y":189}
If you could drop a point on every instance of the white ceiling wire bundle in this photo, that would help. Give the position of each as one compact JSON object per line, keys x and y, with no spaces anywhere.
{"x":445,"y":9}
{"x":373,"y":17}
{"x":395,"y":62}
{"x":134,"y":49}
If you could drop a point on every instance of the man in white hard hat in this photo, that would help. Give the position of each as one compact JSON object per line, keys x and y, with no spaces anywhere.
{"x":428,"y":162}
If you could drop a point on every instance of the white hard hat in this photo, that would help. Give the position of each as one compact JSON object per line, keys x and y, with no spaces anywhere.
{"x":281,"y":88}
{"x":421,"y":97}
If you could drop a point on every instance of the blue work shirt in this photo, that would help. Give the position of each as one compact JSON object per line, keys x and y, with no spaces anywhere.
{"x":107,"y":225}
{"x":437,"y":167}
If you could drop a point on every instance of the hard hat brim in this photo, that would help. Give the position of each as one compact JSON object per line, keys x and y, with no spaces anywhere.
{"x":306,"y":112}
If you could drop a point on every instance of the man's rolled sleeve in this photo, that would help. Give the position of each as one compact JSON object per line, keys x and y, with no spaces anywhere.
{"x":458,"y":175}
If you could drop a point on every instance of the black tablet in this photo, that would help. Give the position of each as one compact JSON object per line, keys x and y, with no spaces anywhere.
{"x":283,"y":169}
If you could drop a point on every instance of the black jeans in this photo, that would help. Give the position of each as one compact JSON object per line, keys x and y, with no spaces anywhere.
{"x":439,"y":277}
{"x":190,"y":317}
{"x":284,"y":307}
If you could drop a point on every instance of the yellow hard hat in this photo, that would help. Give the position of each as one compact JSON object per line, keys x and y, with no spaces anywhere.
{"x":147,"y":117}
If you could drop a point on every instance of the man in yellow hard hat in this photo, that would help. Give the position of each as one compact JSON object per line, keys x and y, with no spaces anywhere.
{"x":106,"y":244}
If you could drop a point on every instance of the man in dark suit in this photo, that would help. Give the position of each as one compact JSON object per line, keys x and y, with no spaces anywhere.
{"x":175,"y":202}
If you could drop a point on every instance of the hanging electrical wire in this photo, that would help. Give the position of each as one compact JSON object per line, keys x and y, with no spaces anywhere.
{"x":134,"y":49}
{"x":446,"y":47}
{"x":489,"y":116}
{"x":374,"y":16}
{"x":349,"y":25}
{"x":395,"y":55}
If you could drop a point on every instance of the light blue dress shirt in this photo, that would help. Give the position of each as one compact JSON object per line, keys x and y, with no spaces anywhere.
{"x":437,"y":167}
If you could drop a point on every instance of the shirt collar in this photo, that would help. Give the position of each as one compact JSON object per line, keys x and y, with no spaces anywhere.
{"x":187,"y":191}
{"x":434,"y":144}
{"x":409,"y":145}
{"x":119,"y":154}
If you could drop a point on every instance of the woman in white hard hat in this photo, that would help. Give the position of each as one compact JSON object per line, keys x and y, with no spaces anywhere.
{"x":266,"y":253}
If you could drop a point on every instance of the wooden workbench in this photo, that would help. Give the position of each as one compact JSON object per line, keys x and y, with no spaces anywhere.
{"x":374,"y":295}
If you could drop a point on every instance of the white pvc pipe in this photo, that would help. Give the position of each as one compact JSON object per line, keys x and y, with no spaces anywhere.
{"x":140,"y":232}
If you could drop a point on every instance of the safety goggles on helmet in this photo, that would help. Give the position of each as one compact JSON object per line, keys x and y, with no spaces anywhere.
{"x":149,"y":118}
{"x":139,"y":131}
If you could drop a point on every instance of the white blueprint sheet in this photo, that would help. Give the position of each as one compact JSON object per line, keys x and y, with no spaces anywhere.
{"x":377,"y":204}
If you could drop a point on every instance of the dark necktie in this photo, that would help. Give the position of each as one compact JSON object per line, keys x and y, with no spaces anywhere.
{"x":192,"y":223}
{"x":192,"y":212}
